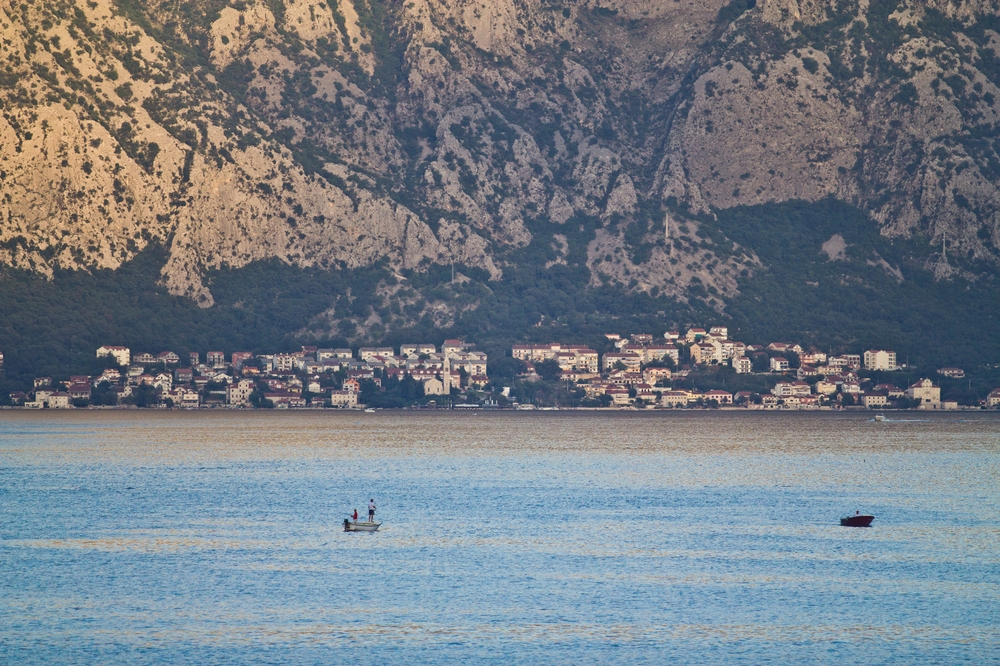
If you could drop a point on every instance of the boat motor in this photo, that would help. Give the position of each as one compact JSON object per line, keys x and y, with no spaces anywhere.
{"x":347,"y":525}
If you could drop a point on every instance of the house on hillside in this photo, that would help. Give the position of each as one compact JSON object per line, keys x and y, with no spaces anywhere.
{"x":779,"y":364}
{"x":122,"y":355}
{"x":813,"y":358}
{"x":79,"y":391}
{"x":880,"y":359}
{"x":891,"y":391}
{"x":454,"y":347}
{"x":992,"y":400}
{"x":742,"y":365}
{"x":239,"y":393}
{"x":168,"y":358}
{"x":643,"y":390}
{"x":239,"y":358}
{"x":631,"y":361}
{"x":619,"y":396}
{"x":954,"y":373}
{"x":797,"y":388}
{"x":704,"y":353}
{"x":417,"y":349}
{"x":655,"y":375}
{"x":850,"y":388}
{"x":368,"y":353}
{"x":825,"y":387}
{"x":695,"y":335}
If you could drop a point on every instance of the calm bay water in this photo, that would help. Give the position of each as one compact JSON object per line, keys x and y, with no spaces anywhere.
{"x":508,"y":538}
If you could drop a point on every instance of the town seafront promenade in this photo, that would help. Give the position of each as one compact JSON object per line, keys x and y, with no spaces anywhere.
{"x":690,"y":370}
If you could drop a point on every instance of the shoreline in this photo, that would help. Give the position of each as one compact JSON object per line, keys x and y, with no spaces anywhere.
{"x":493,"y":409}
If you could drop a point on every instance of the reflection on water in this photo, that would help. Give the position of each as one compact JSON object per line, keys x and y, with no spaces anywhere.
{"x":555,"y":537}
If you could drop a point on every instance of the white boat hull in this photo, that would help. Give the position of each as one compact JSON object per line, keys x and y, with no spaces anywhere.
{"x":361,"y":527}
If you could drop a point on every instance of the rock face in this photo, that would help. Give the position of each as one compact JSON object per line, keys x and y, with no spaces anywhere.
{"x":889,"y":105}
{"x":337,"y":133}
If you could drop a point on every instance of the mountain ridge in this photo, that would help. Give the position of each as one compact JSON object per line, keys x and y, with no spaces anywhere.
{"x":600,"y":140}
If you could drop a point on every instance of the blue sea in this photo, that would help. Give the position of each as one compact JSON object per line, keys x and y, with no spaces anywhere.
{"x":557,"y":538}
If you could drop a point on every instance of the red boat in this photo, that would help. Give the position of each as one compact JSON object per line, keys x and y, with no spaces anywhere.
{"x":857,"y":520}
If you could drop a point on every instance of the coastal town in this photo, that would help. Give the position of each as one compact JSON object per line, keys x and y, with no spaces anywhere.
{"x":639,"y":371}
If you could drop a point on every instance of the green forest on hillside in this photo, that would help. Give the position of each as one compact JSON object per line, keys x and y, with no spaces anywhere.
{"x":857,"y":302}
{"x":52,"y":327}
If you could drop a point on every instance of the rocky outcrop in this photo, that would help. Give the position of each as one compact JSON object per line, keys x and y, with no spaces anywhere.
{"x":890,"y":106}
{"x":337,"y":134}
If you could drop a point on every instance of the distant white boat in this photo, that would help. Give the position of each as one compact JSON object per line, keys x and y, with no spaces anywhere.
{"x":880,"y":418}
{"x":369,"y":411}
{"x":360,"y":527}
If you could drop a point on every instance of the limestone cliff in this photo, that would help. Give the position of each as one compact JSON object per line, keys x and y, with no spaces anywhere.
{"x":889,"y":105}
{"x":337,"y":133}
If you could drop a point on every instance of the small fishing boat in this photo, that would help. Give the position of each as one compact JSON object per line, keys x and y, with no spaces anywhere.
{"x":880,"y":418}
{"x":369,"y":411}
{"x":857,"y":520}
{"x":360,"y":527}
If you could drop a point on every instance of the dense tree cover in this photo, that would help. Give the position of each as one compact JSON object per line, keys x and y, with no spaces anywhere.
{"x":393,"y":394}
{"x":858,"y":302}
{"x":53,"y":327}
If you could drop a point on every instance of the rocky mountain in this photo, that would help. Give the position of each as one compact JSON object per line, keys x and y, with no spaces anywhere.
{"x":340,"y":134}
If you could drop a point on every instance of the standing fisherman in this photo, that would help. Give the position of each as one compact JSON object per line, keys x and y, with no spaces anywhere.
{"x":371,"y":511}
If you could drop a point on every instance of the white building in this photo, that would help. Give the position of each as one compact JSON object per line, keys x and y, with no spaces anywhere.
{"x":880,"y":359}
{"x":695,"y":334}
{"x":742,"y":365}
{"x":59,"y":400}
{"x":417,"y":350}
{"x":785,"y":389}
{"x":824,"y":387}
{"x":343,"y":399}
{"x":239,"y":393}
{"x":925,"y":393}
{"x":473,"y":362}
{"x":368,"y":353}
{"x":875,"y":399}
{"x":283,"y":362}
{"x":122,"y":355}
{"x":993,"y":399}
